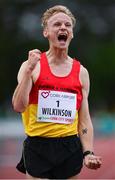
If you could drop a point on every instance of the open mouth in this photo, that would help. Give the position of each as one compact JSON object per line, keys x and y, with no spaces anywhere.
{"x":62,"y":37}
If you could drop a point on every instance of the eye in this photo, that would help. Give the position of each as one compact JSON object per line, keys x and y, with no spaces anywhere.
{"x":57,"y":24}
{"x":68,"y":24}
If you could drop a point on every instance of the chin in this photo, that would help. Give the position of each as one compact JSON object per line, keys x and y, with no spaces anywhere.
{"x":62,"y":46}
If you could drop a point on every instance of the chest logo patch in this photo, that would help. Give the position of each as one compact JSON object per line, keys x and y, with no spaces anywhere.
{"x":45,"y":94}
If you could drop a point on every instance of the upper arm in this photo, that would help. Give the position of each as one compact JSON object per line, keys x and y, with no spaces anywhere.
{"x":84,"y":78}
{"x":84,"y":115}
{"x":22,"y":74}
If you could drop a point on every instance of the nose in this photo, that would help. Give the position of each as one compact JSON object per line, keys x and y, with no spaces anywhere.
{"x":62,"y":27}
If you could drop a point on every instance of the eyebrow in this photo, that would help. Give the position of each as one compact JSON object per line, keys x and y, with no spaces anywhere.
{"x":60,"y":21}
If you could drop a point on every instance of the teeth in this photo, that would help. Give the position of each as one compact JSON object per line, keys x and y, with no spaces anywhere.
{"x":62,"y":34}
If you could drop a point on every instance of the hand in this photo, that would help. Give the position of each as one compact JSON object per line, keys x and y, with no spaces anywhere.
{"x":33,"y":58}
{"x":92,"y":161}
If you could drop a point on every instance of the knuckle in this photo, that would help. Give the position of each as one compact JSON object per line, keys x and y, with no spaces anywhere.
{"x":35,"y":49}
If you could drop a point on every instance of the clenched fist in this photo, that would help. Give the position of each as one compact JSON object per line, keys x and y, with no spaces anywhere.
{"x":33,"y":58}
{"x":92,"y":161}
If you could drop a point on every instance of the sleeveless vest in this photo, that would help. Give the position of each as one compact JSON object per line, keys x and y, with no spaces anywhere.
{"x":54,"y":103}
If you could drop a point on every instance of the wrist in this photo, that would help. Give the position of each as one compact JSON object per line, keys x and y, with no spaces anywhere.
{"x":30,"y":67}
{"x":85,"y":153}
{"x":28,"y":72}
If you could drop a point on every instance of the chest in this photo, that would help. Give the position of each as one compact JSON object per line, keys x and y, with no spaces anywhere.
{"x":61,"y":70}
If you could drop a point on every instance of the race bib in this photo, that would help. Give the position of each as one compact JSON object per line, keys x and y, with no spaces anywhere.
{"x":56,"y":107}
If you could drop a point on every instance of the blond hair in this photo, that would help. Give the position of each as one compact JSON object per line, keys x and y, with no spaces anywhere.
{"x":54,"y":10}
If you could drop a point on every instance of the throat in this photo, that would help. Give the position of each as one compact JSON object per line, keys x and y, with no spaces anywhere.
{"x":57,"y":56}
{"x":60,"y":65}
{"x":61,"y":70}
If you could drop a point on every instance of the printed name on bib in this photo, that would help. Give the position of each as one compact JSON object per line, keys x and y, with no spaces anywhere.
{"x":56,"y":107}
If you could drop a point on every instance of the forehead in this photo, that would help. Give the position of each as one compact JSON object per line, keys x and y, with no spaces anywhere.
{"x":61,"y":17}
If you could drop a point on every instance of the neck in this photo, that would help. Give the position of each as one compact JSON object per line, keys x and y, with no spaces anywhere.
{"x":56,"y":55}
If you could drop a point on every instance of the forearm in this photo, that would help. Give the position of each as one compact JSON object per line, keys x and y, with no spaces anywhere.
{"x":86,"y":136}
{"x":21,"y":95}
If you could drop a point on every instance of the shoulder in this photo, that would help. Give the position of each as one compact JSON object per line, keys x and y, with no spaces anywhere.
{"x":83,"y":73}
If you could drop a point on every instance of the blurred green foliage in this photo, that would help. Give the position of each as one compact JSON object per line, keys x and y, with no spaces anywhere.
{"x":93,"y":44}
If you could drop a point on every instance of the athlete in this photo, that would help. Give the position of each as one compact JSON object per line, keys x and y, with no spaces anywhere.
{"x":52,"y":95}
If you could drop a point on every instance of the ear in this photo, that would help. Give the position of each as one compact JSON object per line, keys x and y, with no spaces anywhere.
{"x":72,"y":36}
{"x":45,"y":33}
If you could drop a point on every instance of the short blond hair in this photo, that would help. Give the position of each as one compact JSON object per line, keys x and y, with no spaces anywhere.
{"x":54,"y":10}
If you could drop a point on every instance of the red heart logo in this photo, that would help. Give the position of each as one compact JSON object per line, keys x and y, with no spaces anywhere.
{"x":45,"y":94}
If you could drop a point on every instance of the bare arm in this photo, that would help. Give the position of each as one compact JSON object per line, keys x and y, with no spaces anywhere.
{"x":21,"y":94}
{"x":85,"y":124}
